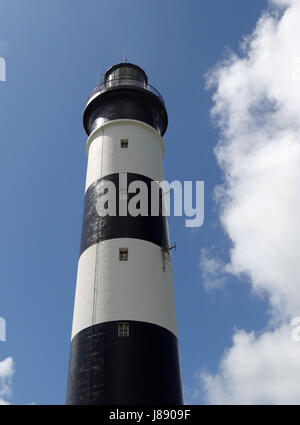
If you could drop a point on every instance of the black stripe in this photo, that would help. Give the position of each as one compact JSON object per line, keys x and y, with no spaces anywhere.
{"x":96,"y":229}
{"x":142,"y":368}
{"x":128,"y":102}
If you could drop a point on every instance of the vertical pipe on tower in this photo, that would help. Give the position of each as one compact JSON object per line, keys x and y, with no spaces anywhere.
{"x":124,"y":347}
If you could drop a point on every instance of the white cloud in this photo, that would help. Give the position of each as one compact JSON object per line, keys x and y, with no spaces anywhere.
{"x":257,"y":369}
{"x":212,"y":271}
{"x":3,"y":402}
{"x":257,"y":108}
{"x":281,"y":2}
{"x":7,"y":369}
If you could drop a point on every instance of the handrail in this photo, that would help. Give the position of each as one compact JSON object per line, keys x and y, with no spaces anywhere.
{"x":118,"y":82}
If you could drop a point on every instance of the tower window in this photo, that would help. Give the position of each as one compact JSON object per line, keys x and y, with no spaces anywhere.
{"x":123,"y":254}
{"x":124,"y":143}
{"x":123,"y":329}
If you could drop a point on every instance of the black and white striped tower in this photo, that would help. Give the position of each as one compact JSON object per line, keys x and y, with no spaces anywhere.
{"x":124,"y":347}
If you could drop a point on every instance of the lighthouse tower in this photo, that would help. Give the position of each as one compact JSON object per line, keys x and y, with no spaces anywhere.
{"x":124,"y":347}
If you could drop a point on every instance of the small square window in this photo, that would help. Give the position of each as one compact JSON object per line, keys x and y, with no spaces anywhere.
{"x":124,"y":143}
{"x":123,"y":329}
{"x":123,"y":254}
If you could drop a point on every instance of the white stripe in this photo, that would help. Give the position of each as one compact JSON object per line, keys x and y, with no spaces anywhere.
{"x":143,"y":156}
{"x":138,"y":289}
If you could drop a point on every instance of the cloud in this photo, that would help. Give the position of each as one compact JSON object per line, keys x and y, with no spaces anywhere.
{"x":7,"y":370}
{"x":212,"y":270}
{"x":256,"y":370}
{"x":282,"y":3}
{"x":257,"y":109}
{"x":4,"y":402}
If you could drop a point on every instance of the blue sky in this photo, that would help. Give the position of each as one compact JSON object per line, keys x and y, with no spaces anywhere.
{"x":54,"y":50}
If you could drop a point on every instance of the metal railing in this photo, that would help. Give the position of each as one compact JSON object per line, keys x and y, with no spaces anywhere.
{"x":119,"y":82}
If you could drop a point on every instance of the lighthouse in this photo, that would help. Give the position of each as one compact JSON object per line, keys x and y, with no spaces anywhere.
{"x":124,"y":344}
